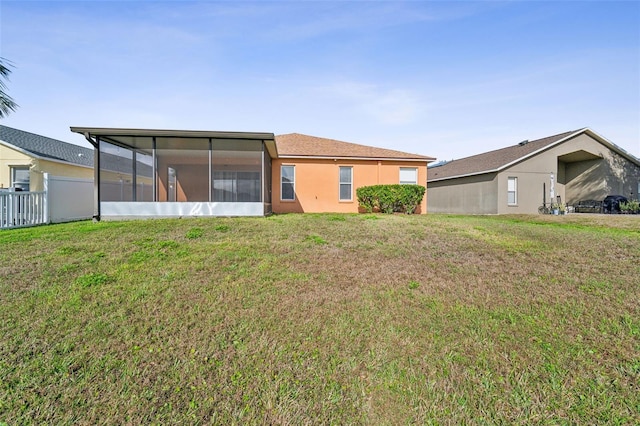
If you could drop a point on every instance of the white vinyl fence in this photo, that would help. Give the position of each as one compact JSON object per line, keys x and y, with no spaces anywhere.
{"x":63,"y":200}
{"x":20,"y":209}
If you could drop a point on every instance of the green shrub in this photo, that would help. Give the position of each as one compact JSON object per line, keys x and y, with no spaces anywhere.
{"x":390,"y":198}
{"x":631,"y":206}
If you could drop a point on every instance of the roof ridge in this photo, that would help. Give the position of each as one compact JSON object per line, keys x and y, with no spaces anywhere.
{"x":571,"y":132}
{"x":497,"y":159}
{"x":46,"y":137}
{"x":310,"y":138}
{"x":47,"y":148}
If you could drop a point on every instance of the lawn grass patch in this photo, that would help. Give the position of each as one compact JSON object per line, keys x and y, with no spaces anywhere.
{"x":337,"y":319}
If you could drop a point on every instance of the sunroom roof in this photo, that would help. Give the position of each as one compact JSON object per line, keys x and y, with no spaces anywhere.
{"x":141,"y":138}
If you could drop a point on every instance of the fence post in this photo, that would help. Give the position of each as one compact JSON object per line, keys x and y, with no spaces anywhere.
{"x":45,"y":210}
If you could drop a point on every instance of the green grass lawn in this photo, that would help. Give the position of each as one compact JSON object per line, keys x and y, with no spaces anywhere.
{"x":322,"y":319}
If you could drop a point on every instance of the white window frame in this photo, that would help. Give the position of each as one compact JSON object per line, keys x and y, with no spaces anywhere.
{"x":513,"y":190}
{"x":13,"y":174}
{"x":350,"y":183}
{"x":408,"y":182}
{"x":293,"y":182}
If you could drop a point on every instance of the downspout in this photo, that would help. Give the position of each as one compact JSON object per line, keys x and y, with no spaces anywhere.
{"x":96,"y":175}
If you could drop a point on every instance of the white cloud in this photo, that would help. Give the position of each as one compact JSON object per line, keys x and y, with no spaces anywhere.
{"x":395,"y":106}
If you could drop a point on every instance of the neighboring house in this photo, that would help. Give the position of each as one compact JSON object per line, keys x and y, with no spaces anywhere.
{"x":313,"y":174}
{"x":577,"y":165}
{"x":25,"y":157}
{"x":208,"y":173}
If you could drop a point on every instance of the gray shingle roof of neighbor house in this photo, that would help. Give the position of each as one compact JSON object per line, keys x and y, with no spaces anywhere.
{"x":494,"y":161}
{"x":296,"y":145}
{"x":46,"y":148}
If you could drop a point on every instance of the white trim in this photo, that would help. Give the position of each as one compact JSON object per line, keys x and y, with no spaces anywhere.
{"x":340,"y":183}
{"x":294,"y":182}
{"x":513,"y":179}
{"x":415,"y":169}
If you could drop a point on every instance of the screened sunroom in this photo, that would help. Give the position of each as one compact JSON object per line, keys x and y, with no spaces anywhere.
{"x":174,"y":173}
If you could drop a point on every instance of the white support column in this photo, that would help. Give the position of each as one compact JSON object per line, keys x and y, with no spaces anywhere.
{"x":45,"y":208}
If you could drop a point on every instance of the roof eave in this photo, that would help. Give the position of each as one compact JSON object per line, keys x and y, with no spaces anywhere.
{"x":40,"y":157}
{"x":517,"y":160}
{"x":484,"y":172}
{"x":612,"y":145}
{"x":107,"y":131}
{"x":585,"y":130}
{"x":538,"y":151}
{"x":333,"y":157}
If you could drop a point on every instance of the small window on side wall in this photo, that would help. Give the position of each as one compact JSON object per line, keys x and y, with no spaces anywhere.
{"x":20,"y":177}
{"x":346,"y":183}
{"x":512,"y":191}
{"x":408,"y":176}
{"x":287,"y":183}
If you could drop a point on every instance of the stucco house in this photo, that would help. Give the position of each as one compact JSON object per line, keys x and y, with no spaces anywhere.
{"x":576,"y":165}
{"x":25,"y":157}
{"x":315,"y":174}
{"x":174,"y":173}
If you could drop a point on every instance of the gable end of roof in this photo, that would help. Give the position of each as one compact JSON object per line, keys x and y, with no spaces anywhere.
{"x":497,"y":160}
{"x":46,"y":148}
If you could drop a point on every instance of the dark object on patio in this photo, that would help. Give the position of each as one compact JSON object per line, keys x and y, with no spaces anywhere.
{"x":611,"y":203}
{"x":588,"y":206}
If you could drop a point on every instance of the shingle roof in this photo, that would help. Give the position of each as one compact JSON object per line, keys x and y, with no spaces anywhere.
{"x":46,"y":148}
{"x":492,"y":160}
{"x":299,"y":145}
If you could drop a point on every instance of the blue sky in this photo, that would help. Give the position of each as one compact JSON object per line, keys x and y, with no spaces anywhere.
{"x":446,"y":79}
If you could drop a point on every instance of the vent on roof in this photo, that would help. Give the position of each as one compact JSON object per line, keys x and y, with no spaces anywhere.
{"x":524,"y":142}
{"x":438,"y":164}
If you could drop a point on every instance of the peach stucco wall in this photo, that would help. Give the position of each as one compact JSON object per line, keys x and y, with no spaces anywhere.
{"x":317,"y":183}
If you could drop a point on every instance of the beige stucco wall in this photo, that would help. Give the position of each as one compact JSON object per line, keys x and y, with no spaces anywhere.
{"x":56,"y":169}
{"x":469,"y":195}
{"x":317,"y":183}
{"x":10,"y":157}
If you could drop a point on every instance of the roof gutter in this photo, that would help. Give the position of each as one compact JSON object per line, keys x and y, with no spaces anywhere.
{"x":204,"y":134}
{"x":322,"y":157}
{"x":484,"y":172}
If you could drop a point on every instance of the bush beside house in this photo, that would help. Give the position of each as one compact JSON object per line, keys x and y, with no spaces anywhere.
{"x":390,"y":198}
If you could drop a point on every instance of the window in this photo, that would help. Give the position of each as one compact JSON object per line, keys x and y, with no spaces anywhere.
{"x":346,"y":183}
{"x":408,"y":176}
{"x":512,"y":191}
{"x":287,"y":183}
{"x":20,"y":177}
